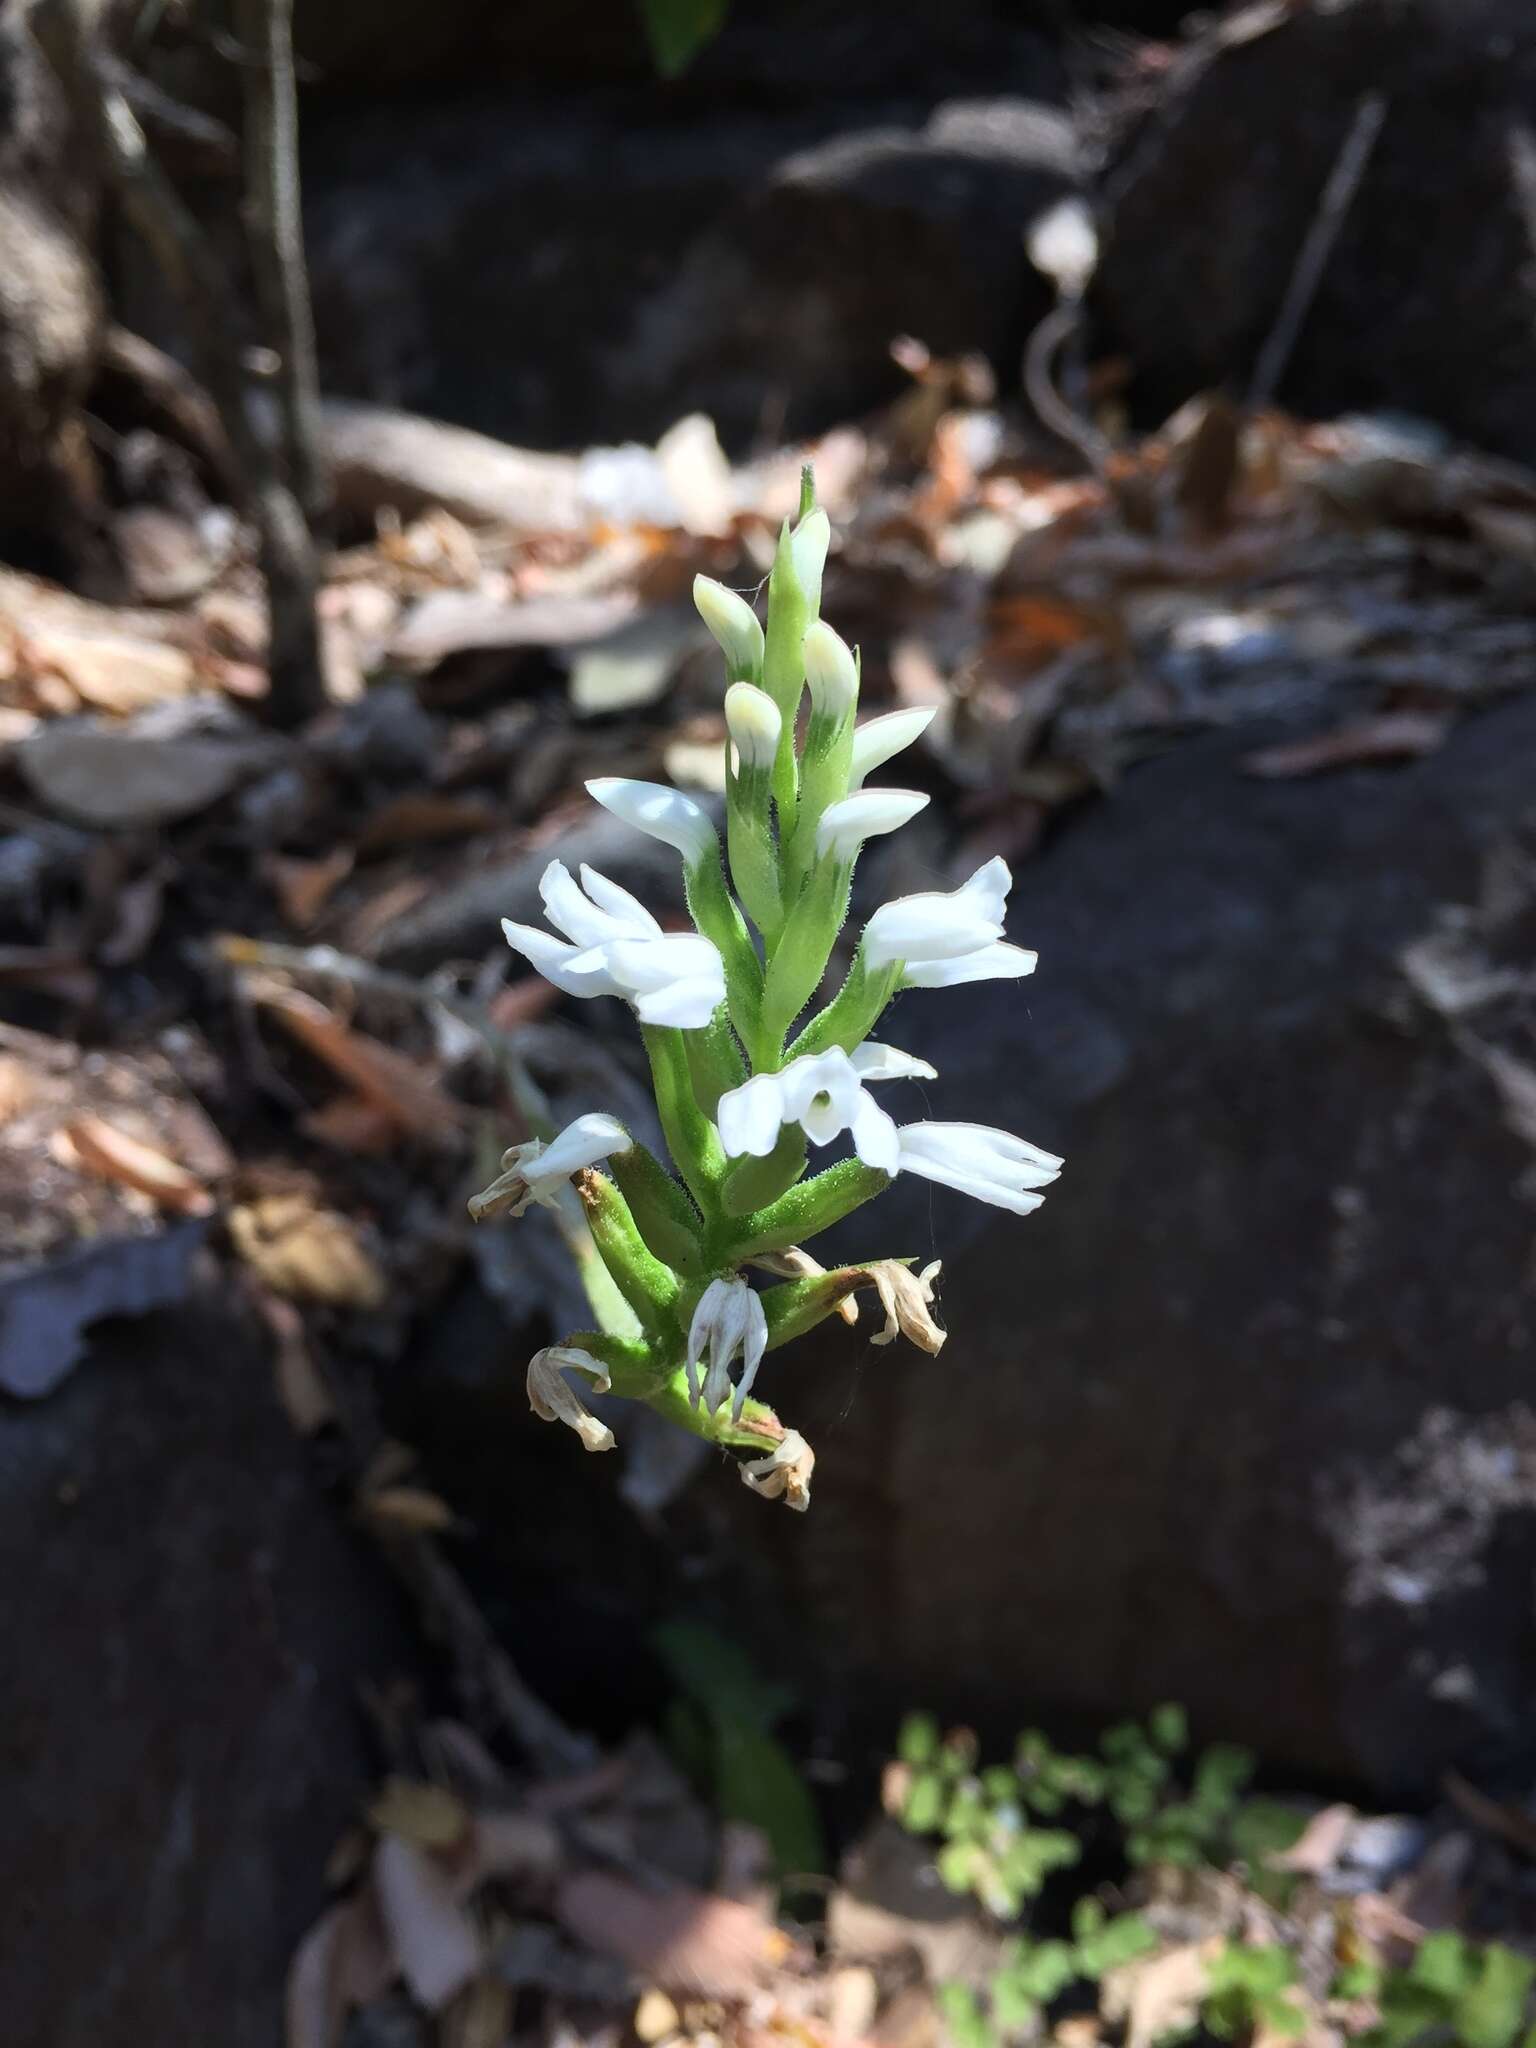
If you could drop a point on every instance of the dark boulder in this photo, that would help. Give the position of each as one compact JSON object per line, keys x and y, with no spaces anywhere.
{"x":1244,"y":1416}
{"x":1428,"y":304}
{"x":188,"y":1622}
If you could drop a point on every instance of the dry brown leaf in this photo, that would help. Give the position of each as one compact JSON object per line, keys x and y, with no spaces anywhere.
{"x":412,"y":1510}
{"x":395,"y":1085}
{"x":101,"y":1148}
{"x":342,"y":1962}
{"x":1157,"y":1994}
{"x":351,"y":1125}
{"x":302,"y":1390}
{"x":304,"y":887}
{"x":682,"y":1940}
{"x":305,"y":1252}
{"x":429,"y":1815}
{"x":431,"y":1934}
{"x":1320,"y":1844}
{"x":109,"y":672}
{"x":423,"y":817}
{"x":1393,"y":736}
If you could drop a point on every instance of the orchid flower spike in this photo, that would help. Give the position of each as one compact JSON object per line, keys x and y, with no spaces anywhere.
{"x":942,"y":940}
{"x":553,"y":1399}
{"x":536,"y":1172}
{"x":612,"y":946}
{"x":729,"y":1319}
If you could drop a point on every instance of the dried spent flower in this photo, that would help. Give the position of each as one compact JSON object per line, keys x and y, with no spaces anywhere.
{"x":785,"y":1474}
{"x":553,"y":1399}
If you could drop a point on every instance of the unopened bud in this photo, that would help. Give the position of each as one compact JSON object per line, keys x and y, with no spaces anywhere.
{"x":844,"y":826}
{"x":808,"y":551}
{"x":753,"y":722}
{"x":831,"y":671}
{"x":878,"y":739}
{"x":734,"y":624}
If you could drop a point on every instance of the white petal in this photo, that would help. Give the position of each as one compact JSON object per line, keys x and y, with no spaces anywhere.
{"x":844,"y":826}
{"x":701,"y":1330}
{"x":664,"y":813}
{"x":734,"y":624}
{"x":997,"y":962}
{"x":749,"y":1117}
{"x":992,"y":1165}
{"x":875,"y":1138}
{"x":553,"y":1399}
{"x":985,"y":895}
{"x":683,"y":1005}
{"x":625,"y":909}
{"x":808,"y":550}
{"x":581,"y":921}
{"x":753,"y":1345}
{"x":940,"y":924}
{"x":875,"y":1062}
{"x":831,"y":671}
{"x":878,"y":739}
{"x":821,"y":1093}
{"x":582,"y":1143}
{"x":752,"y":719}
{"x":577,"y":973}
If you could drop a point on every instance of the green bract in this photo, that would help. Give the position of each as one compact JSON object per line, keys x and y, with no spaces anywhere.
{"x":748,"y":1084}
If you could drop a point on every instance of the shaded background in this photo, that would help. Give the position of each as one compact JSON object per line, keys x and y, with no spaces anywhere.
{"x":1243,"y":1417}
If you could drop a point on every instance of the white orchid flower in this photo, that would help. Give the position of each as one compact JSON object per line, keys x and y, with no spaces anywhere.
{"x":844,"y":826}
{"x":753,"y":721}
{"x":992,"y":1165}
{"x":877,"y":739}
{"x":536,"y":1172}
{"x":785,"y":1474}
{"x":612,"y":946}
{"x":663,"y":812}
{"x":553,"y":1399}
{"x":945,"y":938}
{"x":729,"y":1319}
{"x":831,"y":671}
{"x":734,"y":624}
{"x":824,"y":1094}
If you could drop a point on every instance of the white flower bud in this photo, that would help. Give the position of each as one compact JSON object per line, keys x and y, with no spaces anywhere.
{"x":878,"y":739}
{"x":831,"y":671}
{"x":734,"y":624}
{"x":553,"y":1399}
{"x":843,"y":827}
{"x":664,"y":813}
{"x":753,"y":722}
{"x":808,"y":551}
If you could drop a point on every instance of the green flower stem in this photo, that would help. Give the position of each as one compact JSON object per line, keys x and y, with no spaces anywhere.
{"x":799,"y":1305}
{"x":714,"y":1061}
{"x":805,"y":945}
{"x":813,"y":1206}
{"x":650,"y":1288}
{"x":671,"y":1401}
{"x":754,"y":858}
{"x":668,"y":1222}
{"x":752,"y":1183}
{"x":713,"y":909}
{"x":691,"y":1138}
{"x":790,"y":612}
{"x":636,"y":1370}
{"x":852,"y":1013}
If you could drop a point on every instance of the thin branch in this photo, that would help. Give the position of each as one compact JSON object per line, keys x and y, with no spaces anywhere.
{"x":1338,"y":196}
{"x":67,"y":31}
{"x":275,"y":230}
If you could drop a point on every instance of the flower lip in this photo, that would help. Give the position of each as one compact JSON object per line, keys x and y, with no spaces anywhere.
{"x":978,"y":1160}
{"x":754,"y":724}
{"x":878,"y":739}
{"x":831,"y":672}
{"x":663,"y":812}
{"x":844,"y":826}
{"x":734,"y":624}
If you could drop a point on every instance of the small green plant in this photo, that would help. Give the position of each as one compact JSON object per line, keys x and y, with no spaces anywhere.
{"x":1035,"y":1973}
{"x":1474,"y":1993}
{"x":1249,"y":1990}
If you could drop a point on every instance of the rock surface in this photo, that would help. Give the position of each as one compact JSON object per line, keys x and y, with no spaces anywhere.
{"x":1244,"y":1415}
{"x":190,"y":1621}
{"x":1427,"y":304}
